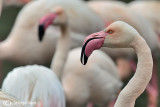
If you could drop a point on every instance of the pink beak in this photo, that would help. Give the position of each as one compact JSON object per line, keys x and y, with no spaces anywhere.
{"x":44,"y":23}
{"x":92,"y":42}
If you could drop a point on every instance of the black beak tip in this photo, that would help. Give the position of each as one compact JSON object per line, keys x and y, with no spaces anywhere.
{"x":41,"y":32}
{"x":84,"y":63}
{"x":84,"y":59}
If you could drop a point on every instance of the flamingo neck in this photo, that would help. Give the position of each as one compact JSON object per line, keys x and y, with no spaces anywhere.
{"x":141,"y":78}
{"x":62,"y":49}
{"x":5,"y":50}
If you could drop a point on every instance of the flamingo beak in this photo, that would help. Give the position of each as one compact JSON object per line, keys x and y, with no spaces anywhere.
{"x":92,"y":42}
{"x":41,"y":32}
{"x":44,"y":23}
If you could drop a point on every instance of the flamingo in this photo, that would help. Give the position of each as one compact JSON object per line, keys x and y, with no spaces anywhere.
{"x":48,"y":85}
{"x":121,"y":35}
{"x":123,"y":13}
{"x":40,"y":88}
{"x":23,"y":37}
{"x":73,"y":74}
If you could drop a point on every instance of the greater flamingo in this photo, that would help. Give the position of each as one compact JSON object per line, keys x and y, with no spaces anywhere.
{"x":31,"y":86}
{"x":23,"y":37}
{"x":73,"y":74}
{"x":121,"y":35}
{"x":124,"y":13}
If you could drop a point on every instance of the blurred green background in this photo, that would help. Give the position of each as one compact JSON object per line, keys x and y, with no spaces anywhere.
{"x":6,"y":22}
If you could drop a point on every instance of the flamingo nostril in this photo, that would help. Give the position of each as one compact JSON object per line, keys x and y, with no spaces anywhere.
{"x":95,"y":35}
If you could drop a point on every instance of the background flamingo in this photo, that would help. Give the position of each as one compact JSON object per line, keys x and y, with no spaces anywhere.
{"x":25,"y":31}
{"x":150,"y":10}
{"x":40,"y":86}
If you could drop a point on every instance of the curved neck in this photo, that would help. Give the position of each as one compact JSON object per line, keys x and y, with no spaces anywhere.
{"x":61,"y":53}
{"x":5,"y":50}
{"x":141,"y":78}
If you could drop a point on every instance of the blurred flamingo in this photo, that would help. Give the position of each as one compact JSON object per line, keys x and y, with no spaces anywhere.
{"x":40,"y":87}
{"x":23,"y":37}
{"x":150,"y":10}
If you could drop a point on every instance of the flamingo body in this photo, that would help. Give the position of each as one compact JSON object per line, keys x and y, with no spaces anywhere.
{"x":35,"y":84}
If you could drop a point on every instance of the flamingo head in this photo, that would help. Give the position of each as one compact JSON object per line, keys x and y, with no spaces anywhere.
{"x":117,"y":35}
{"x":56,"y":17}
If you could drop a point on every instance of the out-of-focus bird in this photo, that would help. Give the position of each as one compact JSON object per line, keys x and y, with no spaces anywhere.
{"x":96,"y":82}
{"x":35,"y":85}
{"x":81,"y":84}
{"x":150,"y":10}
{"x":121,"y":35}
{"x":23,"y":37}
{"x":39,"y":87}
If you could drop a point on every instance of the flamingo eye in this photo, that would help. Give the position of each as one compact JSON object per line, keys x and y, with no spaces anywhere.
{"x":110,"y":31}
